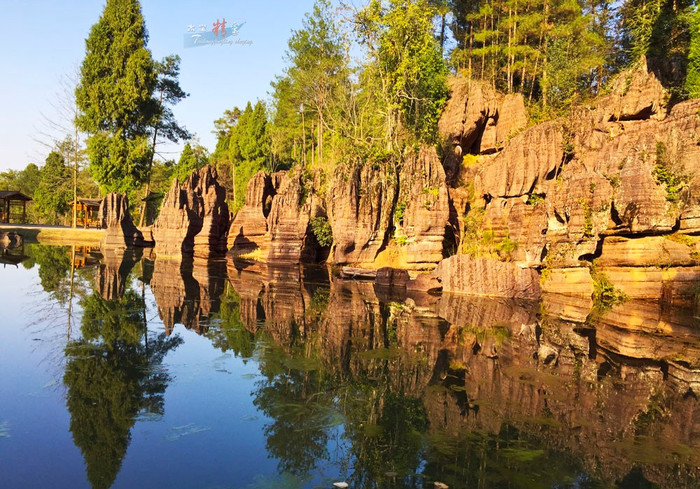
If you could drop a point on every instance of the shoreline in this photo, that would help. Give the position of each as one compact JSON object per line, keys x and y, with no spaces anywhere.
{"x":56,"y":235}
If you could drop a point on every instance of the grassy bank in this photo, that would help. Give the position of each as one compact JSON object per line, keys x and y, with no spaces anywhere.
{"x":56,"y":235}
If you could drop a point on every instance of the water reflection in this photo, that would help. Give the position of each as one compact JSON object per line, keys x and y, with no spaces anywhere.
{"x":187,"y":292}
{"x":393,"y":390}
{"x":113,"y":374}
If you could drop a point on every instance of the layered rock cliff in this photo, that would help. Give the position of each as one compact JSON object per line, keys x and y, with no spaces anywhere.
{"x":602,"y":201}
{"x":194,"y":219}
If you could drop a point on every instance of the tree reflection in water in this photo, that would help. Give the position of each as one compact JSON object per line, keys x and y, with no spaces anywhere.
{"x":113,"y":374}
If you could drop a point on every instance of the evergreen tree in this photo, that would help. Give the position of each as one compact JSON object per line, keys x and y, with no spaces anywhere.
{"x":115,"y":97}
{"x":112,"y":374}
{"x":248,"y":148}
{"x":54,"y":193}
{"x":190,"y":159}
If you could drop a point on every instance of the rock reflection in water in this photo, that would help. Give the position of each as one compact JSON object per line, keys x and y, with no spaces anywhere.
{"x":473,"y":392}
{"x":187,"y":291}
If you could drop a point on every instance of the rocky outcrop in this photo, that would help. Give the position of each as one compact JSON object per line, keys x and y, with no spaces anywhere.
{"x":249,"y":229}
{"x":291,"y":239}
{"x":360,"y":204}
{"x":114,"y":216}
{"x":421,"y":217}
{"x":487,"y":277}
{"x":194,"y":219}
{"x":477,"y":120}
{"x":613,"y":183}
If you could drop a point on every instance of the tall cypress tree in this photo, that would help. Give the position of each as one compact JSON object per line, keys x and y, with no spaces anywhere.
{"x":115,"y":97}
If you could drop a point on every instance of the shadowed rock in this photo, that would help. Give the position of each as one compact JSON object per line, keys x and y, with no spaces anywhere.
{"x":194,"y":219}
{"x":114,"y":216}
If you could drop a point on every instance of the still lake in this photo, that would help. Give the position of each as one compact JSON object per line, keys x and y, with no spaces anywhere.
{"x":128,"y":372}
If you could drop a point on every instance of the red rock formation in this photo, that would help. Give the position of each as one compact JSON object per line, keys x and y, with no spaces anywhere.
{"x":114,"y":216}
{"x":292,"y":208}
{"x":425,"y":209}
{"x":194,"y":219}
{"x":360,"y":205}
{"x":249,"y":229}
{"x":477,"y":120}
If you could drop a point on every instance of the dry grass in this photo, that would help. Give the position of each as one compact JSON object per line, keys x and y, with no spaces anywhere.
{"x":56,"y":235}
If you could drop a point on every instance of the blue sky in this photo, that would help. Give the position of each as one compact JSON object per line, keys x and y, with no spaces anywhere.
{"x":43,"y":41}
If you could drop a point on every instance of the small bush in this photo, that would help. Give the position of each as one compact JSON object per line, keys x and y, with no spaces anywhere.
{"x":674,"y":181}
{"x":605,"y":295}
{"x":534,"y":199}
{"x":322,"y":230}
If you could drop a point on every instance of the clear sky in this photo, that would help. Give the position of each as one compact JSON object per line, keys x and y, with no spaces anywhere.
{"x":43,"y":41}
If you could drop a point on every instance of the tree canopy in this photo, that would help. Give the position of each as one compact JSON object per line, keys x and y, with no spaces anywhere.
{"x":115,"y":97}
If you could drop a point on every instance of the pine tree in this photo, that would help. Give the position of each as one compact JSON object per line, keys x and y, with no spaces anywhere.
{"x":115,"y":97}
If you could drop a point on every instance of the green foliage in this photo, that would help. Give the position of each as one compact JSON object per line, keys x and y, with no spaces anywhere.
{"x":322,"y":230}
{"x":662,"y":30}
{"x":587,"y":218}
{"x":552,"y":51}
{"x":307,"y":97}
{"x":115,"y":97}
{"x":231,"y":333}
{"x":112,"y":374}
{"x":534,"y":199}
{"x":54,"y":193}
{"x":605,"y":295}
{"x":405,"y":66}
{"x":399,"y":212}
{"x":665,"y":174}
{"x":243,"y":147}
{"x":692,"y":81}
{"x":478,"y":241}
{"x":188,"y":162}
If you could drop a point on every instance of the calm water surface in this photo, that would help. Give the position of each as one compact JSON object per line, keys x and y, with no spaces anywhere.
{"x":123,"y":371}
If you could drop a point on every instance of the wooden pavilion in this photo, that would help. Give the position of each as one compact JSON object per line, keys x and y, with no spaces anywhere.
{"x":13,"y":206}
{"x":88,"y":211}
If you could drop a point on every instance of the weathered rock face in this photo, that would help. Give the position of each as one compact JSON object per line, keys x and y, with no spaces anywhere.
{"x":291,"y":240}
{"x":249,"y":229}
{"x":477,"y":120}
{"x":604,"y":184}
{"x":120,"y":231}
{"x":636,"y":95}
{"x":424,"y":208}
{"x":360,"y":206}
{"x":274,"y":223}
{"x":194,"y":219}
{"x":211,"y":239}
{"x":487,"y":277}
